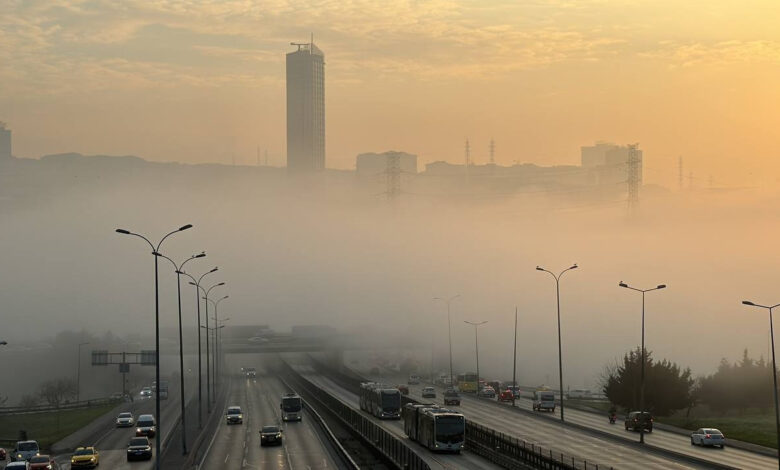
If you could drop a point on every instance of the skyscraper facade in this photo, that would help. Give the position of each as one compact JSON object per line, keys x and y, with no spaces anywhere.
{"x":306,"y":109}
{"x":5,"y":142}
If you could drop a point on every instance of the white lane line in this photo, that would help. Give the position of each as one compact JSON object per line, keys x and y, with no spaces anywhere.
{"x":227,"y":457}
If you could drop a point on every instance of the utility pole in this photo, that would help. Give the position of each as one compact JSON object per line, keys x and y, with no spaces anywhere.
{"x":514,"y":363}
{"x":634,"y":180}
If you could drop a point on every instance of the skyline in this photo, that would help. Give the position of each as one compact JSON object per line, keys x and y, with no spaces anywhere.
{"x":206,"y":83}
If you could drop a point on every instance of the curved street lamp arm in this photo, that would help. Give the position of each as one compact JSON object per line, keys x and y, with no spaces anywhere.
{"x":539,"y":268}
{"x":176,"y":268}
{"x":127,"y":232}
{"x":202,"y":254}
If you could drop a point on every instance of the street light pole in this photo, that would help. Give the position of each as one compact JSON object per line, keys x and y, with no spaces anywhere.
{"x":774,"y":368}
{"x":178,"y":270}
{"x":514,"y":362}
{"x":476,"y":343}
{"x":217,"y":344}
{"x":449,"y":330}
{"x":558,"y":303}
{"x":156,"y":250}
{"x":78,"y":373}
{"x":196,"y":283}
{"x":642,"y":373}
{"x":209,"y":397}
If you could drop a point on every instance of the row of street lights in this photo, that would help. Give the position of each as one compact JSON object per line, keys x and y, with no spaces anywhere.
{"x":179,"y":270}
{"x":643,"y":358}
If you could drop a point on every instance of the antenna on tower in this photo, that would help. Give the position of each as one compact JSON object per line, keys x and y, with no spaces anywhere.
{"x":393,"y":175}
{"x":492,"y":152}
{"x":468,"y":153}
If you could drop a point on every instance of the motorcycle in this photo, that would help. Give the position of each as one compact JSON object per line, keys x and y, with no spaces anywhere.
{"x":612,"y":418}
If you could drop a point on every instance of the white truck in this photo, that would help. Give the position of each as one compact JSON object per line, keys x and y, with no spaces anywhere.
{"x":544,"y":400}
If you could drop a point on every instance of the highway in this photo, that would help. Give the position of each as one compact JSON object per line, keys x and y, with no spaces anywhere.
{"x":465,"y":460}
{"x":545,"y":429}
{"x":238,"y":446}
{"x":112,"y":444}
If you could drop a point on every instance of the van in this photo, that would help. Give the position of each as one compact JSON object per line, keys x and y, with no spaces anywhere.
{"x":544,"y":400}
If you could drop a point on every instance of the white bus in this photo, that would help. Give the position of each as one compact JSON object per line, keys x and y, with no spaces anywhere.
{"x":292,"y":407}
{"x":382,"y":401}
{"x":438,"y":429}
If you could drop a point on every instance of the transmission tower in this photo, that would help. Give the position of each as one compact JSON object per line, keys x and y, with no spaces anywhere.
{"x":633,"y":178}
{"x":680,"y":173}
{"x":468,"y":153}
{"x":492,"y":152}
{"x":393,"y":176}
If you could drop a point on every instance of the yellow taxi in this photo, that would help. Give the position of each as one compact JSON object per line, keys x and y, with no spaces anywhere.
{"x":85,"y":457}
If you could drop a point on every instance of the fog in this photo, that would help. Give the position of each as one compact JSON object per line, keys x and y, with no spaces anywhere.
{"x":330,"y":250}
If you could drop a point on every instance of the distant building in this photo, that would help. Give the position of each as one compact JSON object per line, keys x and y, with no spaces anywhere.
{"x":370,"y":164}
{"x":306,"y":109}
{"x":5,"y":142}
{"x":608,"y":162}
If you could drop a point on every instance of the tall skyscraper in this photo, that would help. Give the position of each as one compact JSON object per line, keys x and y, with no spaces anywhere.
{"x":5,"y":142}
{"x":306,"y":108}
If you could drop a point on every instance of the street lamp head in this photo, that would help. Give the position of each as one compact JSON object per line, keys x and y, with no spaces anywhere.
{"x":3,"y":343}
{"x":747,"y":302}
{"x":123,"y":231}
{"x":193,"y":284}
{"x":185,"y":227}
{"x":539,"y":268}
{"x":221,"y":284}
{"x":574,"y":266}
{"x":661,"y":286}
{"x":622,"y":284}
{"x":220,"y":326}
{"x":200,"y":255}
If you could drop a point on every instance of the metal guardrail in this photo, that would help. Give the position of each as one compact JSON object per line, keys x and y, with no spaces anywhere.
{"x":17,"y":410}
{"x":394,"y":449}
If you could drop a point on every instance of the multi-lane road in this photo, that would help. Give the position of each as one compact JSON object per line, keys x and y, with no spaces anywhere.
{"x":237,"y":446}
{"x":546,"y":430}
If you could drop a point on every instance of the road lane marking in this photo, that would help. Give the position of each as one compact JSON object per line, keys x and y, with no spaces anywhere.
{"x":227,"y":457}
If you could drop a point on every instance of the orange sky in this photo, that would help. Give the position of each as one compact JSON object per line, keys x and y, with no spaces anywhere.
{"x":204,"y":81}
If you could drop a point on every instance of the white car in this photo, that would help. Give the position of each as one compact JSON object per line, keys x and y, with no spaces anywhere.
{"x":428,"y":392}
{"x":125,"y":420}
{"x":146,"y":392}
{"x":708,"y":437}
{"x":413,"y":380}
{"x":487,"y":391}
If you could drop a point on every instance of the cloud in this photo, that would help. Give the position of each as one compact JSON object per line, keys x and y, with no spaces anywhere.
{"x":724,"y":53}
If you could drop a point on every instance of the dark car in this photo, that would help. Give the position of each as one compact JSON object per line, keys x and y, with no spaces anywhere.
{"x":451,"y":397}
{"x":145,"y":426}
{"x":139,"y":448}
{"x":636,"y":420}
{"x":43,"y":462}
{"x":270,"y":435}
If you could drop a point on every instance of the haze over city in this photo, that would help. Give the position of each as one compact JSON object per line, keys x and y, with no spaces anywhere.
{"x":347,"y":165}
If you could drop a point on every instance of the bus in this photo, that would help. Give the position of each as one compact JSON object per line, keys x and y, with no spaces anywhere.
{"x":438,"y":429}
{"x":382,"y":401}
{"x":291,"y":407}
{"x":467,"y":383}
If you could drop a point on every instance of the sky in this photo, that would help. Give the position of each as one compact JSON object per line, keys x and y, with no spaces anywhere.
{"x":203,"y":81}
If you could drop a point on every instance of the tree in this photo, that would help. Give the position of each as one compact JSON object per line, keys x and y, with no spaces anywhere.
{"x":28,"y":401}
{"x":667,"y":386}
{"x":58,"y":391}
{"x":727,"y":388}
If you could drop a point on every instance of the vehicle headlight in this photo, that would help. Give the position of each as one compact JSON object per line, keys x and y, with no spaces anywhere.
{"x":278,"y":434}
{"x":138,"y":430}
{"x":48,"y":467}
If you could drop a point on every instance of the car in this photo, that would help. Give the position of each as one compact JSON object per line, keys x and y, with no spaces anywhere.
{"x":125,"y":420}
{"x":25,"y":450}
{"x":234,"y":415}
{"x":145,"y":426}
{"x":20,"y":465}
{"x":85,"y":457}
{"x":708,"y":437}
{"x":43,"y":462}
{"x":270,"y":435}
{"x":428,"y":392}
{"x":250,"y":372}
{"x":515,"y":390}
{"x":146,"y":392}
{"x":634,"y":421}
{"x":413,"y":380}
{"x":451,"y":397}
{"x":139,"y":448}
{"x":403,"y":389}
{"x":506,"y":395}
{"x":487,"y":391}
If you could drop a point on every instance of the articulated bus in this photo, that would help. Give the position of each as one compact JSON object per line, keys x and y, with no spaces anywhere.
{"x":292,"y":407}
{"x":438,"y":429}
{"x":467,"y":383}
{"x":382,"y":401}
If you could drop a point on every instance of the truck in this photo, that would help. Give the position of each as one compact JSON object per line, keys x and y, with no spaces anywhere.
{"x":451,"y":397}
{"x":438,"y":429}
{"x":382,"y":401}
{"x":544,"y":400}
{"x":163,"y":389}
{"x":250,"y":372}
{"x":292,"y":407}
